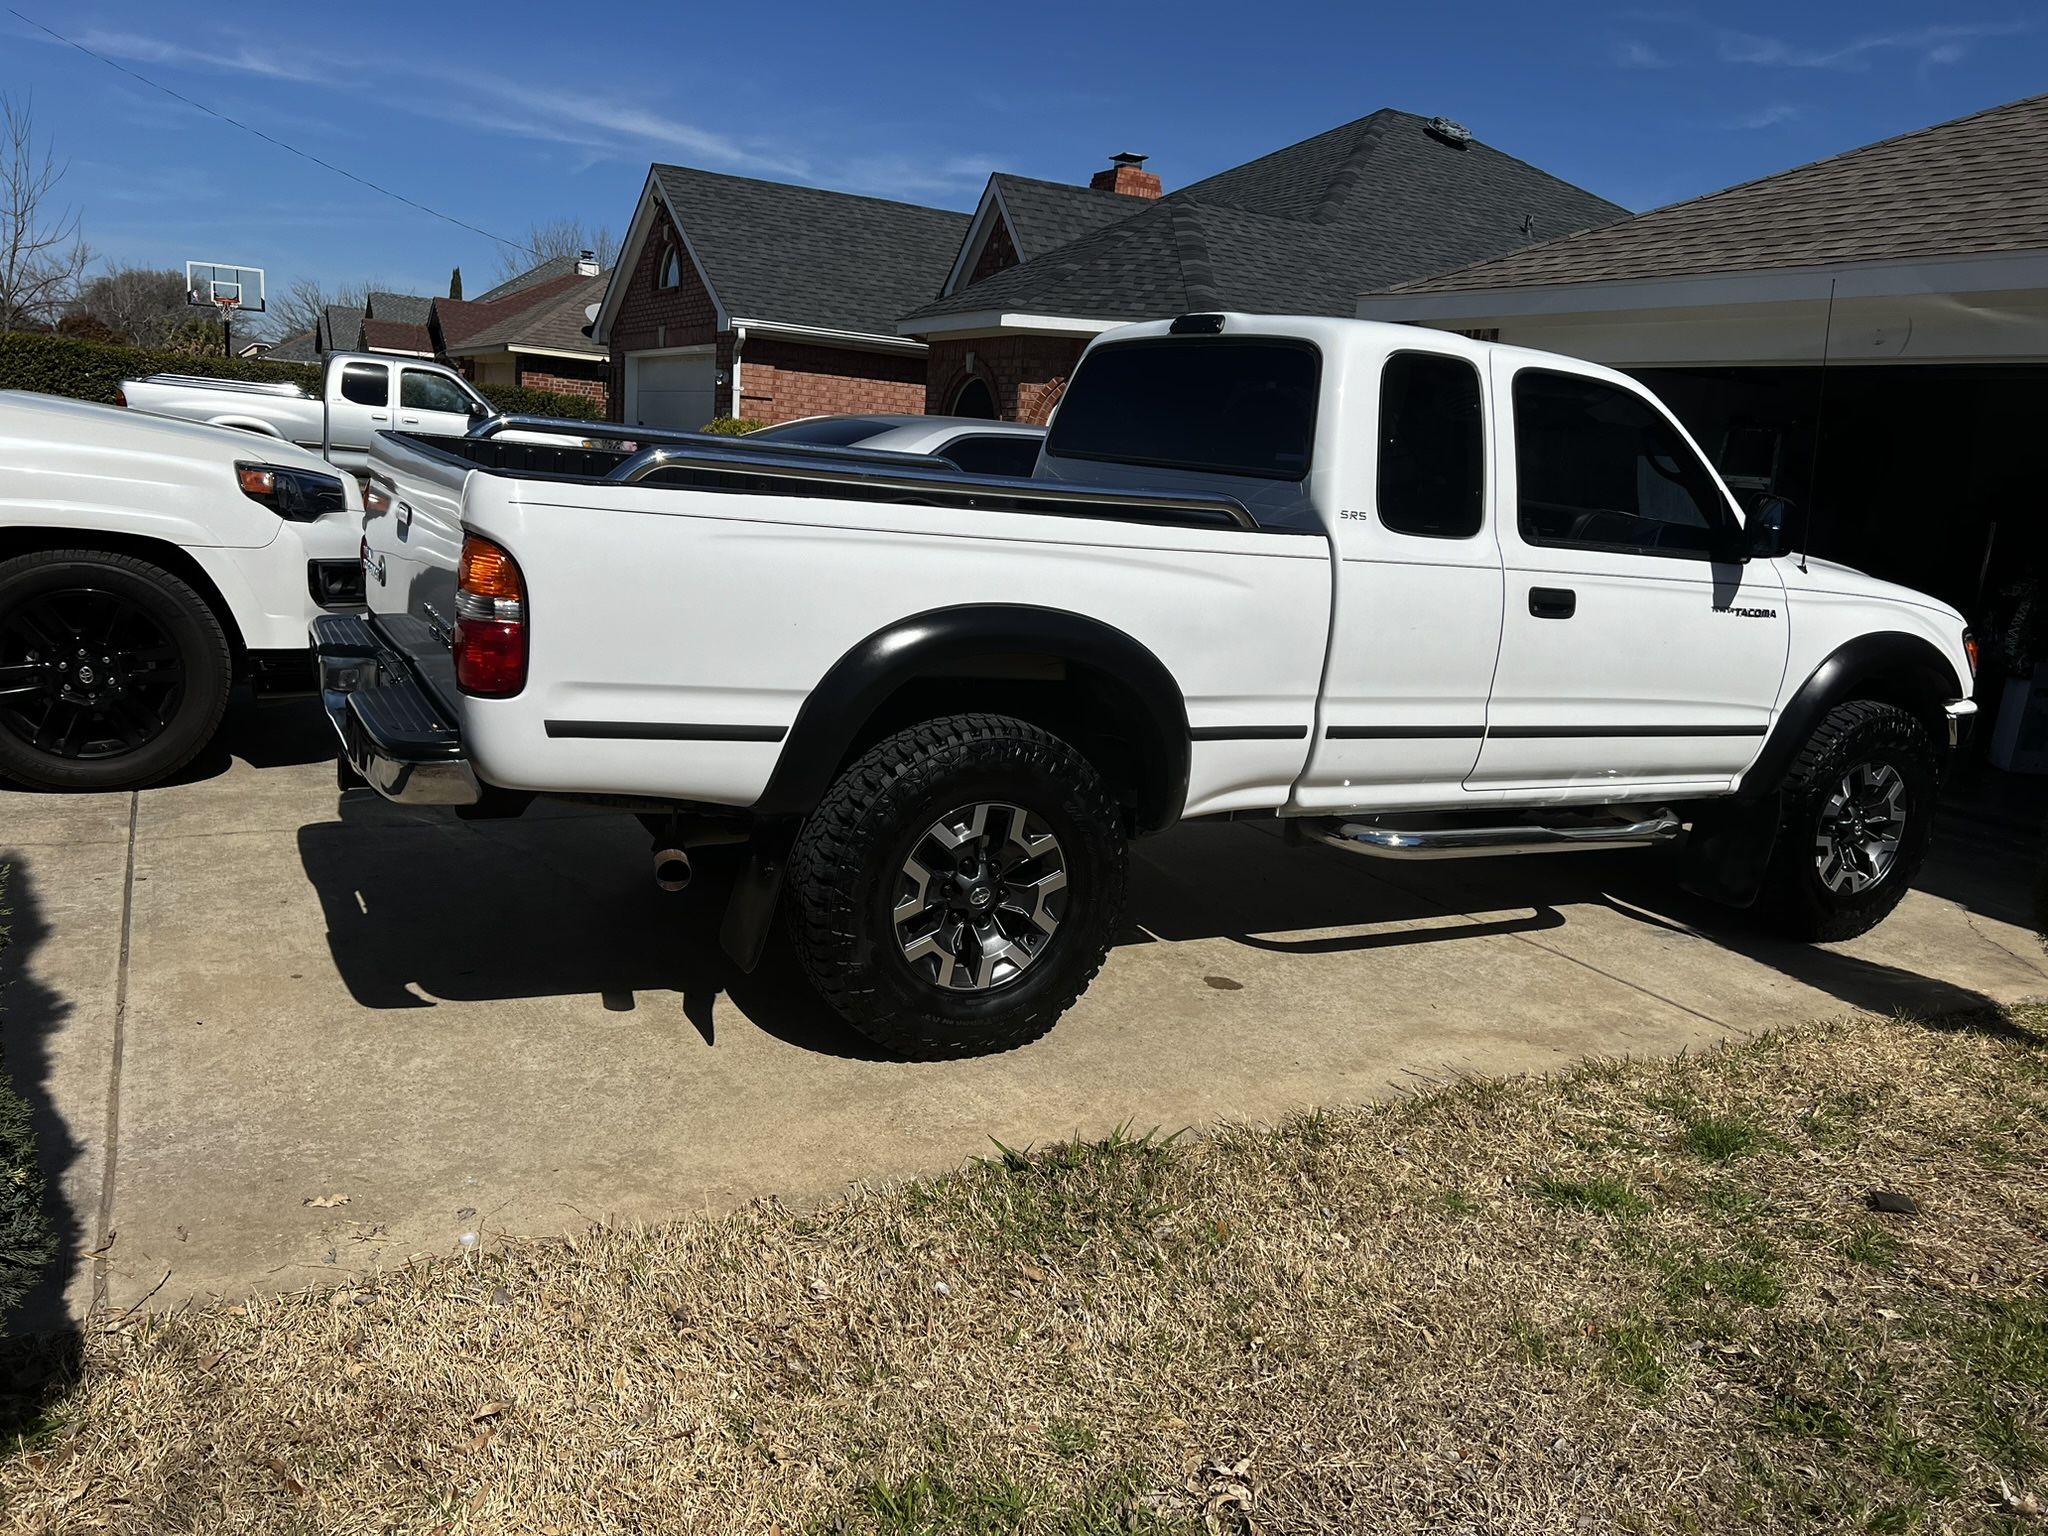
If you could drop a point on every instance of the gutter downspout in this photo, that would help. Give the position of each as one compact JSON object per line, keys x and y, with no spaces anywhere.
{"x":739,"y":345}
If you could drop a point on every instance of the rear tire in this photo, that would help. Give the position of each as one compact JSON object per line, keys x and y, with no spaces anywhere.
{"x":1858,"y":809}
{"x":959,"y":886}
{"x":114,"y":673}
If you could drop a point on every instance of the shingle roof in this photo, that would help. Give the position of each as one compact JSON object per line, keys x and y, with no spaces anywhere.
{"x":1045,"y":215}
{"x":803,"y":256}
{"x":1973,"y":186}
{"x":341,"y":326}
{"x":396,"y":336}
{"x":300,"y":347}
{"x":461,"y":321}
{"x":553,"y":267}
{"x":409,"y":308}
{"x":555,"y":323}
{"x":1302,"y":230}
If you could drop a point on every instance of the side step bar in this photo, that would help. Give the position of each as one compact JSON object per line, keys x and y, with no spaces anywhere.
{"x":1476,"y":842}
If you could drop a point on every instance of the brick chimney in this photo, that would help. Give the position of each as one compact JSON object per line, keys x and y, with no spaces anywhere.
{"x":1127,"y":175}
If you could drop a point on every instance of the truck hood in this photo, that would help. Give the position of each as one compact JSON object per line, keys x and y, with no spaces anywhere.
{"x":84,"y":422}
{"x":1847,"y":581}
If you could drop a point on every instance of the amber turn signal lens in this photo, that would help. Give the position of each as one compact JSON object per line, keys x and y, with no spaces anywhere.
{"x":487,"y":571}
{"x":256,"y":481}
{"x":1970,"y":649}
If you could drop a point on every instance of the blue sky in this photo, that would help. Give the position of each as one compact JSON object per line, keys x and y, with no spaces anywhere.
{"x":553,"y":111}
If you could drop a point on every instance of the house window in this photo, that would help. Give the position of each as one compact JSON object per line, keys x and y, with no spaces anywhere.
{"x":671,"y":268}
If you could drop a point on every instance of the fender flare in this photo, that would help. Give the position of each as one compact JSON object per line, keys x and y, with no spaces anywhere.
{"x":1909,"y":670}
{"x":858,"y":684}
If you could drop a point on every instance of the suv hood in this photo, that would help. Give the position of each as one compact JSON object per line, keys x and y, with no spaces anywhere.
{"x":87,"y":423}
{"x":1847,"y":581}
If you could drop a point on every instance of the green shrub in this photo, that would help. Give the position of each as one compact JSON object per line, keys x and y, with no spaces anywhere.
{"x":93,"y":370}
{"x":518,"y":400}
{"x":732,"y":426}
{"x":26,"y":1242}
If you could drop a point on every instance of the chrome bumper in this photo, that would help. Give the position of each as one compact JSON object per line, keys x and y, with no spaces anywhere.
{"x":393,"y":729}
{"x":1962,"y":714}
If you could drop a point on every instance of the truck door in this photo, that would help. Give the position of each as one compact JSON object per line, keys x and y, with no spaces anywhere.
{"x":1637,"y":646}
{"x":358,"y":404}
{"x":431,"y":403}
{"x":1418,"y":589}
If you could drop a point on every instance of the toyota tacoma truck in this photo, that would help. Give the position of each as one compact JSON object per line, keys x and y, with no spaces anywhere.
{"x":145,"y":565}
{"x":1415,"y":595}
{"x":360,"y":395}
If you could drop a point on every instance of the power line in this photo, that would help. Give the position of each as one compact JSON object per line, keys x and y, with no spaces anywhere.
{"x":292,"y":149}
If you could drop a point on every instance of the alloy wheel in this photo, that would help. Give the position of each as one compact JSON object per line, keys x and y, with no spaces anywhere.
{"x":980,"y":897}
{"x":86,"y":673}
{"x":1857,"y":839}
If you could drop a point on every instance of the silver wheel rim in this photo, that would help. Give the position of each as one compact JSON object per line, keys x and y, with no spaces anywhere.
{"x":980,"y":897}
{"x":1857,"y":840}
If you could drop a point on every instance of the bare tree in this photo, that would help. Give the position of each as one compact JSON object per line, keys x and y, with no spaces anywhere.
{"x":145,"y":304}
{"x":300,"y":306}
{"x":41,"y":253}
{"x":555,"y":239}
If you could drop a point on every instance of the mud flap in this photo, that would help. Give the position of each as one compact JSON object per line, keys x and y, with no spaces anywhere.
{"x":750,"y":910}
{"x":1728,"y":850}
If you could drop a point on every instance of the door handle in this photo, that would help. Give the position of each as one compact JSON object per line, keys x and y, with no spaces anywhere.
{"x":1553,"y":602}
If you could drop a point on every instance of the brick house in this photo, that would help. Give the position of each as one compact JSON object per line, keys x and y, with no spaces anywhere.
{"x":737,"y":297}
{"x":530,"y":331}
{"x":1389,"y":197}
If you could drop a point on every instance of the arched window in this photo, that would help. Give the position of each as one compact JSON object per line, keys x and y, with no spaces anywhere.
{"x":671,"y":268}
{"x":976,"y":399}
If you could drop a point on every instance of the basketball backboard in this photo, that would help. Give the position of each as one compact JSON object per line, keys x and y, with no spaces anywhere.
{"x":217,"y":285}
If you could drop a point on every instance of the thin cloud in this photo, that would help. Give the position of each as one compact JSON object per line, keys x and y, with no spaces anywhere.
{"x":229,"y":58}
{"x":1930,"y":45}
{"x":1767,"y":117}
{"x":1633,"y":53}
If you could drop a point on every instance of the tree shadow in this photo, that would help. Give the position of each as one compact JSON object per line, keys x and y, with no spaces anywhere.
{"x":40,"y":1349}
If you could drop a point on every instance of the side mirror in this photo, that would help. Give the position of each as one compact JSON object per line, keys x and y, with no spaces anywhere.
{"x":479,"y":411}
{"x":1766,"y":526}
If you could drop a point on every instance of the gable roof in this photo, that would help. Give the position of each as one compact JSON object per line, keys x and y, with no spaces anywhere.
{"x":341,"y":326}
{"x":459,"y":322}
{"x":1977,"y":185}
{"x":553,"y":267}
{"x":1045,"y":215}
{"x":299,"y":347}
{"x":1301,"y":230}
{"x":803,"y":256}
{"x":407,"y":308}
{"x":555,"y":324}
{"x":395,"y":336}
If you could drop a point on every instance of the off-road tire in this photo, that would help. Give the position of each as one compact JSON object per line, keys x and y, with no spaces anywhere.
{"x":1795,"y":901}
{"x":183,"y":615}
{"x":845,"y":865}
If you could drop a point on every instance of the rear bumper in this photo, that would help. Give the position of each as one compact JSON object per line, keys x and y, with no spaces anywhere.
{"x":394,"y":729}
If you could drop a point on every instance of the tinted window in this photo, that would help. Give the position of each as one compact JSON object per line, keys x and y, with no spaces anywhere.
{"x":366,"y":383}
{"x":1600,"y":468}
{"x":827,"y":431}
{"x":994,"y":453}
{"x":419,"y":390}
{"x":1205,"y":403}
{"x":1432,"y":468}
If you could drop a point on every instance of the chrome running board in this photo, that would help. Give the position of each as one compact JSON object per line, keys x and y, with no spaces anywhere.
{"x":1476,"y":842}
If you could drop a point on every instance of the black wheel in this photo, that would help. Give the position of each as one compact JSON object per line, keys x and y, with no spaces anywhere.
{"x":1858,"y":808}
{"x":113,"y":672}
{"x":959,"y":886}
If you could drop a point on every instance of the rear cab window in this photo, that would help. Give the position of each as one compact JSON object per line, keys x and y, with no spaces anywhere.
{"x":1220,"y":405}
{"x":366,"y":383}
{"x":993,"y":453}
{"x":1431,"y":480}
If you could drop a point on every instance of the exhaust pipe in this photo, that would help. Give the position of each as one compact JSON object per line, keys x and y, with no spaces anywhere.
{"x":671,"y":869}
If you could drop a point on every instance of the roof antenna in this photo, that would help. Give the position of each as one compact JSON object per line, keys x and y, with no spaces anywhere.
{"x":1820,"y":404}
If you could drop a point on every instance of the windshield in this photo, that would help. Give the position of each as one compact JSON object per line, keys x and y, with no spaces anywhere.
{"x":1217,"y":404}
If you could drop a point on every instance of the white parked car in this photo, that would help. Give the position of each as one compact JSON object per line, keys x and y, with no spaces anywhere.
{"x":980,"y":447}
{"x":360,"y":394}
{"x":1415,"y":595}
{"x":144,"y":565}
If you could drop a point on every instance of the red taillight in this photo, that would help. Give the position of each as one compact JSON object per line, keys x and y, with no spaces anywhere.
{"x":121,"y":398}
{"x":1970,"y":650}
{"x":490,"y":621}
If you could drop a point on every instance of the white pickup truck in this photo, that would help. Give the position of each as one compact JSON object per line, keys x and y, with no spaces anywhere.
{"x":360,"y":395}
{"x":144,"y":566}
{"x":1415,"y":595}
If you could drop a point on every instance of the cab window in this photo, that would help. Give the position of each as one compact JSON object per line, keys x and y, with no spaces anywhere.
{"x":366,"y":383}
{"x":419,"y":390}
{"x":994,"y":453}
{"x":1598,"y":467}
{"x":1432,"y":464}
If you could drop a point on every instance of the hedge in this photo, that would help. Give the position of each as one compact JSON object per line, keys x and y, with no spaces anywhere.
{"x":26,"y":1242}
{"x":93,"y":370}
{"x":731,"y":426}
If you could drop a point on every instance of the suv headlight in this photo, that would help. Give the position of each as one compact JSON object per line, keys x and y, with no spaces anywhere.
{"x":300,"y":495}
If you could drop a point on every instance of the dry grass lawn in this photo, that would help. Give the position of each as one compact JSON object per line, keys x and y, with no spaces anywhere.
{"x":1642,"y":1296}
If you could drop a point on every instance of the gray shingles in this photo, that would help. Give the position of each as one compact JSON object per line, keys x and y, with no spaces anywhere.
{"x":1046,"y":215}
{"x":1302,"y":230}
{"x":1976,"y":185}
{"x":804,"y":256}
{"x":554,"y":266}
{"x":406,"y":308}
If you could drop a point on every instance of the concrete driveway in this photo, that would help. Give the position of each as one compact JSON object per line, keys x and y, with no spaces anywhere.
{"x":275,"y":1036}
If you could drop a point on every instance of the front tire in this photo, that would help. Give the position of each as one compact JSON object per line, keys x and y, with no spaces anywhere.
{"x":114,"y":673}
{"x":959,"y":886}
{"x":1858,"y":810}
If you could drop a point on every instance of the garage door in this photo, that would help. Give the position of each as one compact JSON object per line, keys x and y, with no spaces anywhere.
{"x":674,"y":391}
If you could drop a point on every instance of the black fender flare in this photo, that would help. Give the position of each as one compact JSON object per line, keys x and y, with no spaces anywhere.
{"x":1891,"y":665}
{"x":848,"y":695}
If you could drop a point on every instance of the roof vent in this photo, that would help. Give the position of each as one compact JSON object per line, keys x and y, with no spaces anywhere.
{"x":1451,"y":132}
{"x":586,"y":264}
